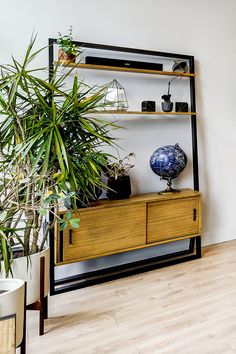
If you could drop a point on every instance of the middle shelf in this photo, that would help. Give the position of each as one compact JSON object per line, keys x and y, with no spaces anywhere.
{"x":145,"y":113}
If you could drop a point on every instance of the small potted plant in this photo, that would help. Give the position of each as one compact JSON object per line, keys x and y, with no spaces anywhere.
{"x":119,"y":186}
{"x":67,"y":48}
{"x":167,"y":105}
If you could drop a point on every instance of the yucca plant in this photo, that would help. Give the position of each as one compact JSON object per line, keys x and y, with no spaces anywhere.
{"x":50,"y":149}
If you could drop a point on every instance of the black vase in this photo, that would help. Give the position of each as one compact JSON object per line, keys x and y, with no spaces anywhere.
{"x":121,"y":187}
{"x":167,"y":106}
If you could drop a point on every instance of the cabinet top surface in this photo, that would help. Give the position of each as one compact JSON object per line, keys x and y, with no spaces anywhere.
{"x":147,"y":197}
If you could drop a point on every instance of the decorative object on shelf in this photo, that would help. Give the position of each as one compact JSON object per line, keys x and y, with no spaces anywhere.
{"x":115,"y":97}
{"x":118,"y":183}
{"x":148,"y":106}
{"x":180,"y":66}
{"x":181,"y":107}
{"x":167,"y":105}
{"x":67,"y":49}
{"x":118,"y":188}
{"x":123,"y":63}
{"x":168,"y":162}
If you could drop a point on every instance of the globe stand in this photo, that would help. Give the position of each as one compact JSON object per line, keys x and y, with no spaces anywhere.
{"x":169,"y":189}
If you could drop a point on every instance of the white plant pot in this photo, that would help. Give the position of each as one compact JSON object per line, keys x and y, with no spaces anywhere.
{"x":12,"y":302}
{"x":29,"y":271}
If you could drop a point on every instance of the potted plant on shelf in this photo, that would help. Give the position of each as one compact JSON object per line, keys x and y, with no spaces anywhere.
{"x":49,"y":149}
{"x":167,"y":105}
{"x":118,"y":183}
{"x":67,"y":48}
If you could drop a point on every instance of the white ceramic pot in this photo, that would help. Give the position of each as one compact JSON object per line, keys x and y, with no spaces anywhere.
{"x":12,"y":302}
{"x":29,"y":271}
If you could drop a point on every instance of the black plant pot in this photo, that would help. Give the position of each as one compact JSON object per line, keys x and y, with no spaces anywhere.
{"x":167,"y":106}
{"x":121,"y":187}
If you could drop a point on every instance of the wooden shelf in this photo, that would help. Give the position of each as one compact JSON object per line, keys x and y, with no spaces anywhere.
{"x":146,"y":113}
{"x":116,"y":68}
{"x":144,"y":220}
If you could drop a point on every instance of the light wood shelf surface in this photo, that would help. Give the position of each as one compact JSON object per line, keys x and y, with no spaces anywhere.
{"x":146,"y":197}
{"x":145,"y":113}
{"x":116,"y":68}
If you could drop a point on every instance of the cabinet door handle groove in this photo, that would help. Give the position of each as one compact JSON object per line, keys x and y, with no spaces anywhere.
{"x":194,"y":214}
{"x":70,"y":237}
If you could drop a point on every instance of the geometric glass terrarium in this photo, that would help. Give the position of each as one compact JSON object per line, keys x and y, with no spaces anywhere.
{"x":115,"y":97}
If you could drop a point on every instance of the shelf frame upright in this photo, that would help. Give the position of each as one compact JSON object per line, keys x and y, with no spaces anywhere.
{"x":124,"y":270}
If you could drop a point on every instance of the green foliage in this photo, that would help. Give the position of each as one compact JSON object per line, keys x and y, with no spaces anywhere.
{"x":66,"y":43}
{"x":73,"y":222}
{"x":120,"y":167}
{"x":6,"y":238}
{"x":51,"y":146}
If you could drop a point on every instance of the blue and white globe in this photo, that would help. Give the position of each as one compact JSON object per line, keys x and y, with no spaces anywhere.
{"x":168,"y":161}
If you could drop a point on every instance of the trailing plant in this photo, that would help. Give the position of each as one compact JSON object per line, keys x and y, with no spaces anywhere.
{"x":66,"y":43}
{"x":49,"y":149}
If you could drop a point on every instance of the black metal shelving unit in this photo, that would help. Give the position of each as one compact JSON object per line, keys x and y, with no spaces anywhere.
{"x":131,"y":268}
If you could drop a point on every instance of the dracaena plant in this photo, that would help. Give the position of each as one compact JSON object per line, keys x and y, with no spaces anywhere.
{"x":49,"y":149}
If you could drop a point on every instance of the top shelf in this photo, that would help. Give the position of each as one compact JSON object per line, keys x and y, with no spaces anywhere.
{"x":116,"y":68}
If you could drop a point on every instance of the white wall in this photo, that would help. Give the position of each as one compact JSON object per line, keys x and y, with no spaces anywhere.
{"x":203,"y":28}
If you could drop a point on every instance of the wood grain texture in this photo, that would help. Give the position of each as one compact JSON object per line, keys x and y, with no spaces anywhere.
{"x":133,"y":248}
{"x":117,"y":226}
{"x":189,"y":308}
{"x":146,"y":197}
{"x":116,"y":68}
{"x":106,"y":231}
{"x":170,"y":219}
{"x":8,"y":335}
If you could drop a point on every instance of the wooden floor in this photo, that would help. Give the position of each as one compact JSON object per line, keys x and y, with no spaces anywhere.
{"x":187,"y":308}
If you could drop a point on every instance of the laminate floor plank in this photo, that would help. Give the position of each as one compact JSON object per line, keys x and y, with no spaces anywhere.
{"x":189,"y":308}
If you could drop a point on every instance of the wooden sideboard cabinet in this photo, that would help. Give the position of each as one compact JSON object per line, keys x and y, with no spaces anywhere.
{"x":110,"y":227}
